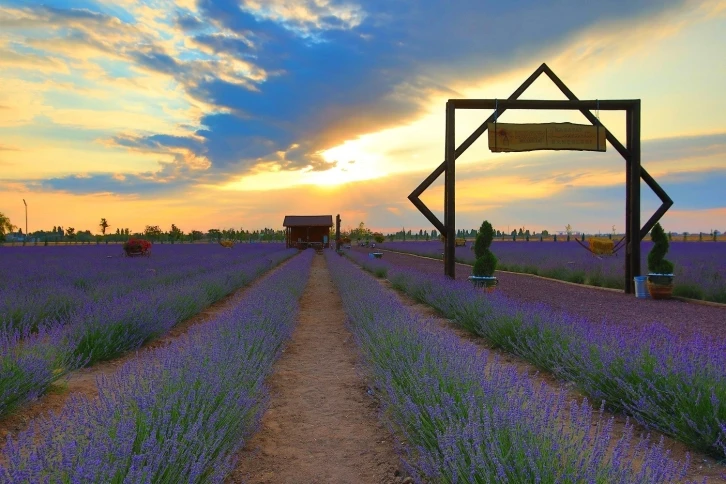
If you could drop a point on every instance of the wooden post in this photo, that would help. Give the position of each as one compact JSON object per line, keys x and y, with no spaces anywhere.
{"x":635,"y":192}
{"x":449,"y":191}
{"x":337,"y":232}
{"x":629,"y":283}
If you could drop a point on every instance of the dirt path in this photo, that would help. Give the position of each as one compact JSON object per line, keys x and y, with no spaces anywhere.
{"x":321,"y":425}
{"x":83,"y":381}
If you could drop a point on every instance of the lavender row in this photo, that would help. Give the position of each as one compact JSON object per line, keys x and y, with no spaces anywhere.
{"x":700,"y":268}
{"x":459,"y":418}
{"x":30,"y":362}
{"x":177,"y":414}
{"x":46,"y":285}
{"x":675,"y":385}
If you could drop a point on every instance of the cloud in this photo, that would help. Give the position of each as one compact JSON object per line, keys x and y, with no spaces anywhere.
{"x":130,"y":185}
{"x":271,"y":85}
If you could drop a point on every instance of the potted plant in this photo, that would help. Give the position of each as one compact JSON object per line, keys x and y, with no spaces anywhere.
{"x":134,"y":247}
{"x":660,"y":270}
{"x":486,"y":262}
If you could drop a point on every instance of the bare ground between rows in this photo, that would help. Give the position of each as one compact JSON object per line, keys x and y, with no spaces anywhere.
{"x":701,"y":464}
{"x":684,"y":319}
{"x":321,"y":426}
{"x":83,"y":381}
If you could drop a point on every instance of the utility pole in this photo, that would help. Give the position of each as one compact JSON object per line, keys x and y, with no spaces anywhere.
{"x":26,"y":221}
{"x":337,"y":232}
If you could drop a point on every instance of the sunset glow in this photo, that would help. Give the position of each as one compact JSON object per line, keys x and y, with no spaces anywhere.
{"x":210,"y":114}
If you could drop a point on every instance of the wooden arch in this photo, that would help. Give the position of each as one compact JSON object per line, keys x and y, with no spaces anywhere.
{"x":630,"y":152}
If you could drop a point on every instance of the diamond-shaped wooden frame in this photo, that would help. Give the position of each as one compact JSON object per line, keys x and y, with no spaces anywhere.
{"x":630,"y":152}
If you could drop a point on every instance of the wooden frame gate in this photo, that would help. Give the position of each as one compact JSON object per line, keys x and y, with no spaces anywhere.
{"x":634,"y":172}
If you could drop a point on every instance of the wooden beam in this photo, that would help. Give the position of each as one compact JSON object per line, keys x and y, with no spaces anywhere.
{"x":635,"y":265}
{"x":449,"y":192}
{"x":629,"y":283}
{"x":664,"y":198}
{"x":590,"y":117}
{"x":559,"y":105}
{"x":414,"y":196}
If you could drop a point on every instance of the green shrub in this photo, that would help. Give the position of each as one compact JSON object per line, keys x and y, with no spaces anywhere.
{"x":486,"y":261}
{"x":657,"y":263}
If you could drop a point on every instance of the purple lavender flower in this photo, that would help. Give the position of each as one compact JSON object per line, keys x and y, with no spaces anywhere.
{"x":177,"y":413}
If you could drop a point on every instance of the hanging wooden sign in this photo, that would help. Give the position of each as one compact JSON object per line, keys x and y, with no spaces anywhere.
{"x":508,"y":137}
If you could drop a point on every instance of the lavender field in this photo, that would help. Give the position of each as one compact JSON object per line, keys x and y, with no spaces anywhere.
{"x":185,"y":410}
{"x":177,"y":414}
{"x":649,"y":372}
{"x":62,"y":308}
{"x":461,"y":418}
{"x":700,"y":268}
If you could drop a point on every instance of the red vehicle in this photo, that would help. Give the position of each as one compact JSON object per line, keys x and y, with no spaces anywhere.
{"x":134,"y":247}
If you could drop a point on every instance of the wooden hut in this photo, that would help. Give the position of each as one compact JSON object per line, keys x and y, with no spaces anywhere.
{"x":303,"y":231}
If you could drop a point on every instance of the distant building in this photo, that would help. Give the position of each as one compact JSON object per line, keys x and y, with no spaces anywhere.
{"x":304,"y":231}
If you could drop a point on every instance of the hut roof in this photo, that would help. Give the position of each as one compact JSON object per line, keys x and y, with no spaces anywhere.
{"x":308,"y":221}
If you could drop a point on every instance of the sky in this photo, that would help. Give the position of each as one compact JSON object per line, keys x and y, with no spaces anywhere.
{"x":234,"y":113}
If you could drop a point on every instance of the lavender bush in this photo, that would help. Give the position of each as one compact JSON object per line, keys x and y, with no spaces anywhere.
{"x":176,"y":414}
{"x":47,"y":284}
{"x":700,"y":268}
{"x":460,"y":419}
{"x":677,"y":386}
{"x":101,"y":329}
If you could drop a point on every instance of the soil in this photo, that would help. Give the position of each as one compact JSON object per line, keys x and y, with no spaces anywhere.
{"x":683,"y":318}
{"x":322,"y":426}
{"x":83,"y":381}
{"x":701,"y":465}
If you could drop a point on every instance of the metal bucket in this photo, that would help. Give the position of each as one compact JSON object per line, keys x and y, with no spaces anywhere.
{"x":641,"y":287}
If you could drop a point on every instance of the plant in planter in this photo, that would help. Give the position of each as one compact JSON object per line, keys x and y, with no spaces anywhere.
{"x":486,"y":262}
{"x":134,"y":247}
{"x":660,"y":270}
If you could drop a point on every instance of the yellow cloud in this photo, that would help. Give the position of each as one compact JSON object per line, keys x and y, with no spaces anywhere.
{"x":37,"y":159}
{"x":307,"y":11}
{"x":111,"y":120}
{"x":20,"y":102}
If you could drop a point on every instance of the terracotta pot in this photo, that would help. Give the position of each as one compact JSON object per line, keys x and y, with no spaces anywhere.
{"x":660,"y":291}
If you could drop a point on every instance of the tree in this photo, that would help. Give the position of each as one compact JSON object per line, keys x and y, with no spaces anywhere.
{"x":545,"y":233}
{"x":175,"y":233}
{"x":214,"y":234}
{"x":104,"y":225}
{"x":5,"y":226}
{"x":568,"y":229}
{"x":378,"y":237}
{"x":152,"y":231}
{"x":70,"y":232}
